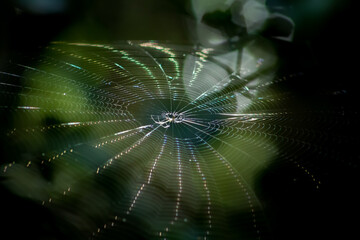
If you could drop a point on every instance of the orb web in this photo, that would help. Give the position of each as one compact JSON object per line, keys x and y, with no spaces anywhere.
{"x":150,"y":140}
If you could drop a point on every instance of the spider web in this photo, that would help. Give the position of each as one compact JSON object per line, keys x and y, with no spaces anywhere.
{"x":98,"y":126}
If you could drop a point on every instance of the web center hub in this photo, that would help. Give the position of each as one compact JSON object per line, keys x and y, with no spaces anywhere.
{"x":166,"y":118}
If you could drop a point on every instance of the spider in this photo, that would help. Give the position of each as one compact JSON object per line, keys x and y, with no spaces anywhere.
{"x":168,"y":118}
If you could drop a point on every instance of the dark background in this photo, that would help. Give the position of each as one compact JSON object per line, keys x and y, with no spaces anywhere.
{"x":324,"y":49}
